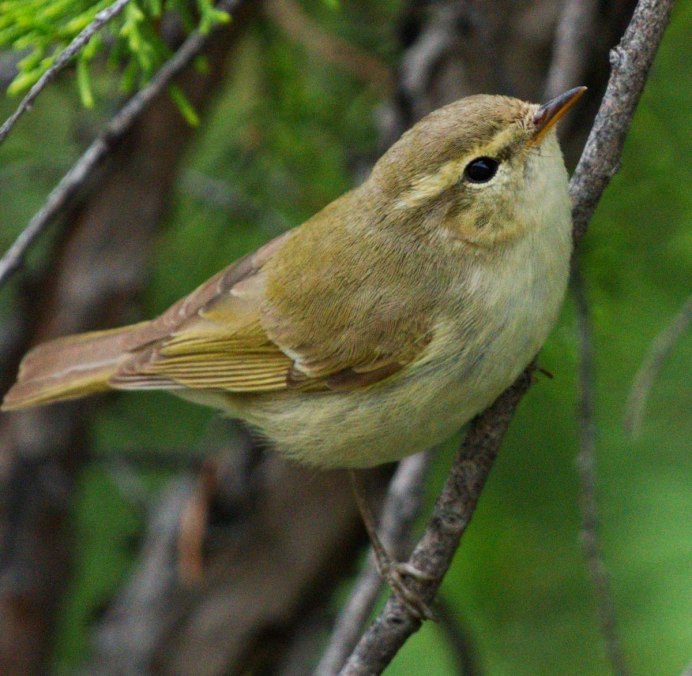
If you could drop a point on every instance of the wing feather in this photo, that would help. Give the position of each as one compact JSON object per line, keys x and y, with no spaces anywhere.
{"x":224,"y":337}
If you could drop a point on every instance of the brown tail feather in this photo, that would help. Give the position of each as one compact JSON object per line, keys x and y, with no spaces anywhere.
{"x":68,"y":368}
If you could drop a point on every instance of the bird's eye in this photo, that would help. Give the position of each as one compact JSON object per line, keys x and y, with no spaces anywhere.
{"x":481,"y":170}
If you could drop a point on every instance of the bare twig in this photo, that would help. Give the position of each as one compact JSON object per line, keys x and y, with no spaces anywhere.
{"x":586,"y":464}
{"x":402,"y":506}
{"x":630,"y":62}
{"x":659,"y":351}
{"x":571,"y":47}
{"x":80,"y":172}
{"x":79,"y":42}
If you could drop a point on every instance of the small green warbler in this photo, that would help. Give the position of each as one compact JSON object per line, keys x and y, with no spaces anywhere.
{"x":385,"y":322}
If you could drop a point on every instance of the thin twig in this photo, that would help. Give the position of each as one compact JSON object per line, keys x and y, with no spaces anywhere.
{"x":79,"y":42}
{"x":630,"y":62}
{"x":571,"y":46}
{"x":402,"y":505}
{"x":75,"y":178}
{"x":586,"y":465}
{"x":659,"y":351}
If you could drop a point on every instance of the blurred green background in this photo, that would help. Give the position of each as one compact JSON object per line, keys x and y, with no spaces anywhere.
{"x":280,"y":143}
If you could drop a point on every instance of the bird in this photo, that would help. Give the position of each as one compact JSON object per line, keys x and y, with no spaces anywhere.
{"x":383,"y":323}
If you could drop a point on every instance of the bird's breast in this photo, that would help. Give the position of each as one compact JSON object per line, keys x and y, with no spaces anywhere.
{"x":509,"y":304}
{"x":479,"y":346}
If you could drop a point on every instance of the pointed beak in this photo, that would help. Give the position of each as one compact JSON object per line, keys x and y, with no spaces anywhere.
{"x":549,"y":113}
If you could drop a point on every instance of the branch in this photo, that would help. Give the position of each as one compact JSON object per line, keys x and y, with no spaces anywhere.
{"x":630,"y":62}
{"x":586,"y":464}
{"x":402,"y":505}
{"x":659,"y":351}
{"x":100,"y":20}
{"x":451,"y":515}
{"x":77,"y":176}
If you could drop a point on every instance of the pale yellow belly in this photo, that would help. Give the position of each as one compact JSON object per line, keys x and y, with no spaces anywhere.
{"x":472,"y":358}
{"x":393,"y":419}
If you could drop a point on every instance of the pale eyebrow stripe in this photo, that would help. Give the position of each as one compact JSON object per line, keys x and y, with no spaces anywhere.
{"x":425,"y":188}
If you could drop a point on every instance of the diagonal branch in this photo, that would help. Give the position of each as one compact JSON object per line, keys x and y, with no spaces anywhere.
{"x":630,"y":62}
{"x":451,"y":515}
{"x":82,"y":170}
{"x":79,"y":42}
{"x":402,"y":505}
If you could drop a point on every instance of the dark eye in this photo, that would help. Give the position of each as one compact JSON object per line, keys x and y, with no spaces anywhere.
{"x":481,"y":170}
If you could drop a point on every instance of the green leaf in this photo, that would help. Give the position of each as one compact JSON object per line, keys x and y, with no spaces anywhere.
{"x":186,"y":108}
{"x":136,"y":48}
{"x":23,"y":82}
{"x":84,"y":83}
